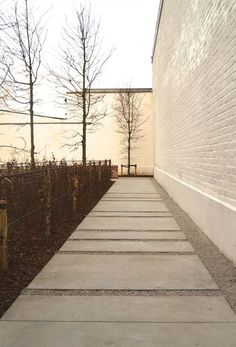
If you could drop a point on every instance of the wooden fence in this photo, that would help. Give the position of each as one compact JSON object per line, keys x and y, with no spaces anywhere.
{"x":44,"y":196}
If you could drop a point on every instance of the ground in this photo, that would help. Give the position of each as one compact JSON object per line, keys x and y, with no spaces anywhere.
{"x":29,"y":250}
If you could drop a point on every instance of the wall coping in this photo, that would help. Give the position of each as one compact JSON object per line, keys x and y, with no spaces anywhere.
{"x":157,"y":27}
{"x":118,"y":90}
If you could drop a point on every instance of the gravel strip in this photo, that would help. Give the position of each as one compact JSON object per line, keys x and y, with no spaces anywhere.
{"x":221,"y":269}
{"x":127,"y":230}
{"x":135,"y":240}
{"x":112,"y":216}
{"x":124,"y":253}
{"x":125,"y":292}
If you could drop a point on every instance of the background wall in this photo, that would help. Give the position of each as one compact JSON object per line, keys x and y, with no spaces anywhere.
{"x":108,"y":142}
{"x":104,"y":144}
{"x":194,"y":93}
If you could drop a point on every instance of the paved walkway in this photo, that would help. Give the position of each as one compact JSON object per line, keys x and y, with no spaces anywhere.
{"x":127,"y":277}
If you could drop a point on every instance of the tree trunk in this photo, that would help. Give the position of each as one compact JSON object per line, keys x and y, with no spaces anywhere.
{"x":129,"y":134}
{"x":31,"y":86}
{"x":129,"y":152}
{"x":84,"y":144}
{"x":32,"y":147}
{"x":84,"y":159}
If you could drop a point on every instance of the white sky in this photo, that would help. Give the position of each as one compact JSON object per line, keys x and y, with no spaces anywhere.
{"x":128,"y":26}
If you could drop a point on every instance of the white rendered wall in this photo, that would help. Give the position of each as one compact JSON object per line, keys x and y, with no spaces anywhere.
{"x":194,"y":97}
{"x":104,"y":144}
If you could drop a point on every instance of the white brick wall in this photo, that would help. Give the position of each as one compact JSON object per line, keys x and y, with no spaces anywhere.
{"x":194,"y":95}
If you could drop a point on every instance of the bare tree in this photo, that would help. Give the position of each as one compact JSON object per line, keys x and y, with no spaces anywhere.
{"x":82,"y":61}
{"x":129,"y":117}
{"x":24,"y":38}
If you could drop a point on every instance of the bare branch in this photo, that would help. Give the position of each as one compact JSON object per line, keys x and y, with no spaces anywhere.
{"x":81,"y":64}
{"x":16,"y":148}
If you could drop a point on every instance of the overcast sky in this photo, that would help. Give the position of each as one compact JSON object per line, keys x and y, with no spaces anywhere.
{"x":127,"y":26}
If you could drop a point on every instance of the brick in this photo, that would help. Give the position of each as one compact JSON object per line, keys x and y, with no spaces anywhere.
{"x":194,"y":95}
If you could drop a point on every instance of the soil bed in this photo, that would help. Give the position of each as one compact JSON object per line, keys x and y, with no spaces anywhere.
{"x":30,"y":250}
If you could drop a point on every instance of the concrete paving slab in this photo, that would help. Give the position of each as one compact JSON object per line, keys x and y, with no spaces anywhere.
{"x":83,"y":271}
{"x":130,"y":206}
{"x":129,"y":235}
{"x":74,"y":334}
{"x":141,"y":184}
{"x":133,"y":190}
{"x":126,"y":246}
{"x":124,"y":309}
{"x":129,"y":214}
{"x":132,"y":196}
{"x":130,"y":199}
{"x":126,"y":223}
{"x":133,"y":186}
